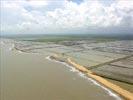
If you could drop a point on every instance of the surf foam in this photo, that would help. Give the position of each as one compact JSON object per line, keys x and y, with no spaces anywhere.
{"x":72,"y":69}
{"x":12,"y":47}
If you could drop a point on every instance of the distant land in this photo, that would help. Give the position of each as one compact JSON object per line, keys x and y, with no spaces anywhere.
{"x":77,"y":36}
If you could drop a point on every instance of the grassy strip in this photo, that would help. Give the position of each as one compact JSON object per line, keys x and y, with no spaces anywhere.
{"x":70,"y":38}
{"x":105,"y":63}
{"x":124,"y":93}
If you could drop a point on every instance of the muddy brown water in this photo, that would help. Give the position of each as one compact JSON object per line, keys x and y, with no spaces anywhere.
{"x":28,"y":76}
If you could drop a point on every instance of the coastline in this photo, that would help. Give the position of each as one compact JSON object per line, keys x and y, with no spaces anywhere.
{"x":82,"y":74}
{"x":105,"y":84}
{"x":122,"y":92}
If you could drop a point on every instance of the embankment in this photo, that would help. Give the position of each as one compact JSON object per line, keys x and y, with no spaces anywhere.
{"x":124,"y":93}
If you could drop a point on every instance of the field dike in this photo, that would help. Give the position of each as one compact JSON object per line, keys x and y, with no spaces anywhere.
{"x":68,"y":61}
{"x":122,"y":92}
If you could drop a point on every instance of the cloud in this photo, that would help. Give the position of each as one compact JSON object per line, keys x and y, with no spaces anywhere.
{"x":88,"y":16}
{"x":35,"y":3}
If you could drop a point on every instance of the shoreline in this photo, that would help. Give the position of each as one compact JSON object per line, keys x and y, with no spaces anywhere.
{"x":81,"y":74}
{"x":122,"y":92}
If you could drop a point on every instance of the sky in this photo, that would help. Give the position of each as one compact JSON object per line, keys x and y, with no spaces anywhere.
{"x":66,"y":16}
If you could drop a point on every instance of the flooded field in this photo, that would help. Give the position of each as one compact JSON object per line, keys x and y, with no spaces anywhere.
{"x":30,"y":76}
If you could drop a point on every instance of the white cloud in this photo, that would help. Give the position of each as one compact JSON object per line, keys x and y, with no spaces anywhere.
{"x":88,"y":16}
{"x":37,"y":3}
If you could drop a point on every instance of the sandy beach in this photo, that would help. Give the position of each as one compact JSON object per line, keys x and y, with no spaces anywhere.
{"x":124,"y":93}
{"x":29,"y":76}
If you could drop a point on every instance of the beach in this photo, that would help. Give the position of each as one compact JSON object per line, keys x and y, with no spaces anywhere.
{"x":31,"y":76}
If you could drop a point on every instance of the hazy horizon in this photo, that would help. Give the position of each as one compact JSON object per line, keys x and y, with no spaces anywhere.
{"x":66,"y":49}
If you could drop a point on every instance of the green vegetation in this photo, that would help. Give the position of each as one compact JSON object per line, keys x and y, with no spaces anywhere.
{"x":60,"y":38}
{"x":56,"y":39}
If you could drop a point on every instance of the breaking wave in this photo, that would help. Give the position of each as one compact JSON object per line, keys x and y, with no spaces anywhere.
{"x":12,"y":47}
{"x":72,"y":69}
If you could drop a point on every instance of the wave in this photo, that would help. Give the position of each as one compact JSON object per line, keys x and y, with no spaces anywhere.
{"x":72,"y":69}
{"x":1,"y":42}
{"x":12,"y":47}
